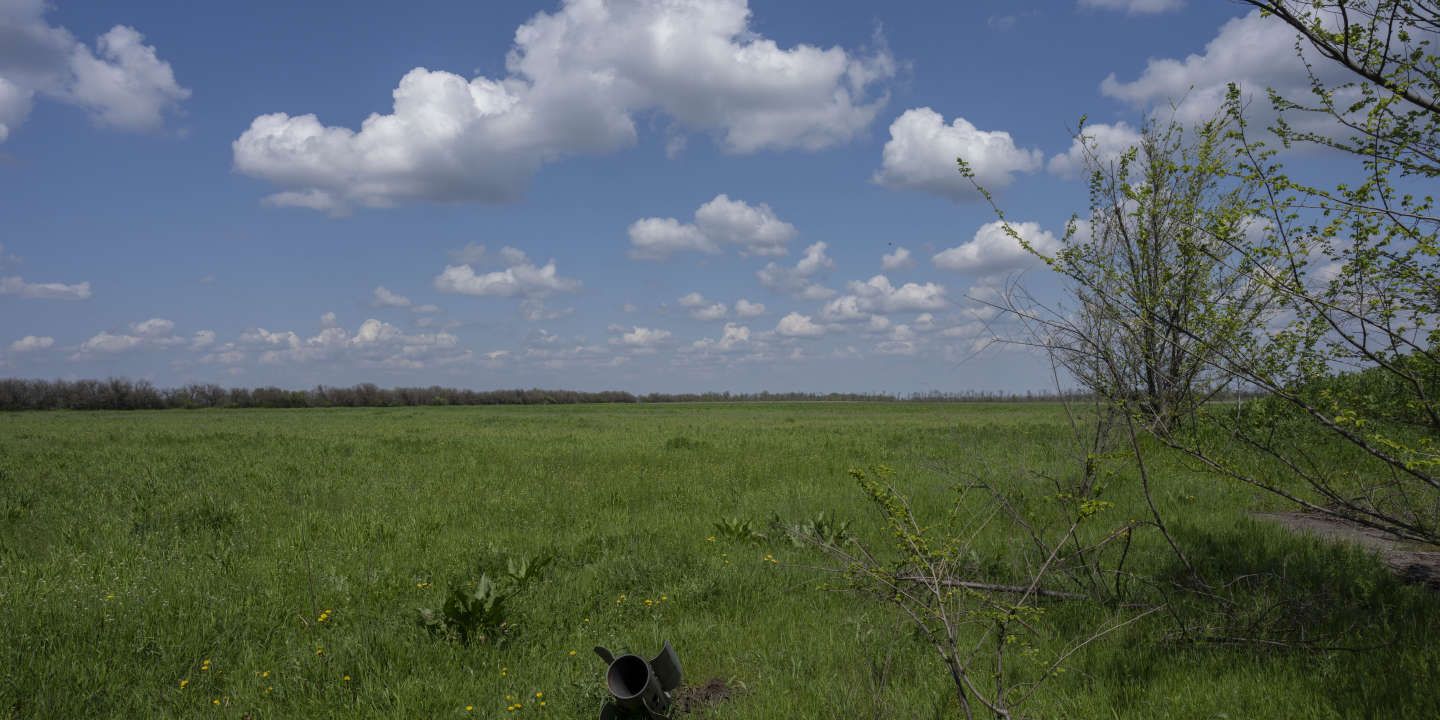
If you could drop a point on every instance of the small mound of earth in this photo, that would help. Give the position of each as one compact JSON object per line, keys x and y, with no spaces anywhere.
{"x":1413,"y":563}
{"x":698,"y":698}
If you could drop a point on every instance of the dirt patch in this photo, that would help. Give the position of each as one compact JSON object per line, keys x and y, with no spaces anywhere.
{"x":699,"y":698}
{"x":1412,"y":562}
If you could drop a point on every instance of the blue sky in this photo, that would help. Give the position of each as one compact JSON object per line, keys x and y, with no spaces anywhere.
{"x":632,"y":170}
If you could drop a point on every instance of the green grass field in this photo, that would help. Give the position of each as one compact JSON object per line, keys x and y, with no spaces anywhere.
{"x":176,"y":564}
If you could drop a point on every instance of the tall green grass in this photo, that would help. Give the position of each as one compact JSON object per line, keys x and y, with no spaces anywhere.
{"x":134,"y":547}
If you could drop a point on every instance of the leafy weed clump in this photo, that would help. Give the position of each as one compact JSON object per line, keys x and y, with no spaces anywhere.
{"x":480,"y":611}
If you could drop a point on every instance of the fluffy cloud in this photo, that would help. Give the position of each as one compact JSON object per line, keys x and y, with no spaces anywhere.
{"x":31,"y":343}
{"x":1253,"y":51}
{"x":105,"y":342}
{"x":993,"y":250}
{"x":1135,"y":7}
{"x":373,"y":344}
{"x":16,"y":285}
{"x":799,"y":326}
{"x":798,"y":280}
{"x":754,"y":229}
{"x":657,"y":238}
{"x":1106,"y":142}
{"x":722,"y":222}
{"x":469,"y":255}
{"x":746,"y":309}
{"x":877,"y":296}
{"x":735,"y":337}
{"x":152,"y":333}
{"x":903,"y":341}
{"x":15,"y":103}
{"x":702,"y":309}
{"x":383,"y":297}
{"x":522,"y":279}
{"x":154,"y":328}
{"x":898,"y":260}
{"x":922,"y":151}
{"x":641,"y":338}
{"x":714,"y":311}
{"x":576,"y":79}
{"x":122,"y":82}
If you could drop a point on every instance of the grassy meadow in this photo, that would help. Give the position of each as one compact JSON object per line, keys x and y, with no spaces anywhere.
{"x":178,"y":563}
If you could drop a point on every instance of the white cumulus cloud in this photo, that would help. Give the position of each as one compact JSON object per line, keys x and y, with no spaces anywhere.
{"x":720,"y":223}
{"x":522,"y":279}
{"x":638,"y":337}
{"x":31,"y":343}
{"x":576,"y":79}
{"x":1106,"y":143}
{"x":1253,"y":51}
{"x":383,"y":297}
{"x":16,"y":285}
{"x":799,"y":326}
{"x":469,"y":255}
{"x":122,"y":82}
{"x":993,"y":250}
{"x":878,"y":296}
{"x":898,"y":260}
{"x":799,"y":280}
{"x":922,"y":152}
{"x":746,"y":309}
{"x":657,"y":238}
{"x":150,"y":334}
{"x":733,"y":338}
{"x":713,"y":311}
{"x":374,"y":344}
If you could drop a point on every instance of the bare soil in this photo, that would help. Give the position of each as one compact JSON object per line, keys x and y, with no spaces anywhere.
{"x":699,"y":698}
{"x":1414,"y":563}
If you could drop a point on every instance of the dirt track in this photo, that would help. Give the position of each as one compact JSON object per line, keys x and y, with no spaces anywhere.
{"x":1412,"y":562}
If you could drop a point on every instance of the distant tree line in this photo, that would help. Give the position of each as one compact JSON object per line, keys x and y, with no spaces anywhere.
{"x":123,"y":394}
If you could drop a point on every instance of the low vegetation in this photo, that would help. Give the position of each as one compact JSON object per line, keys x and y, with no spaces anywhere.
{"x":271,"y":563}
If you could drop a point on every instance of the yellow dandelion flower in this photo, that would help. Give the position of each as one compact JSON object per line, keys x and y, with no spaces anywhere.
{"x":572,"y":653}
{"x":216,"y":701}
{"x":469,"y":708}
{"x":265,"y":674}
{"x":346,"y":678}
{"x":539,"y":694}
{"x":184,"y":682}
